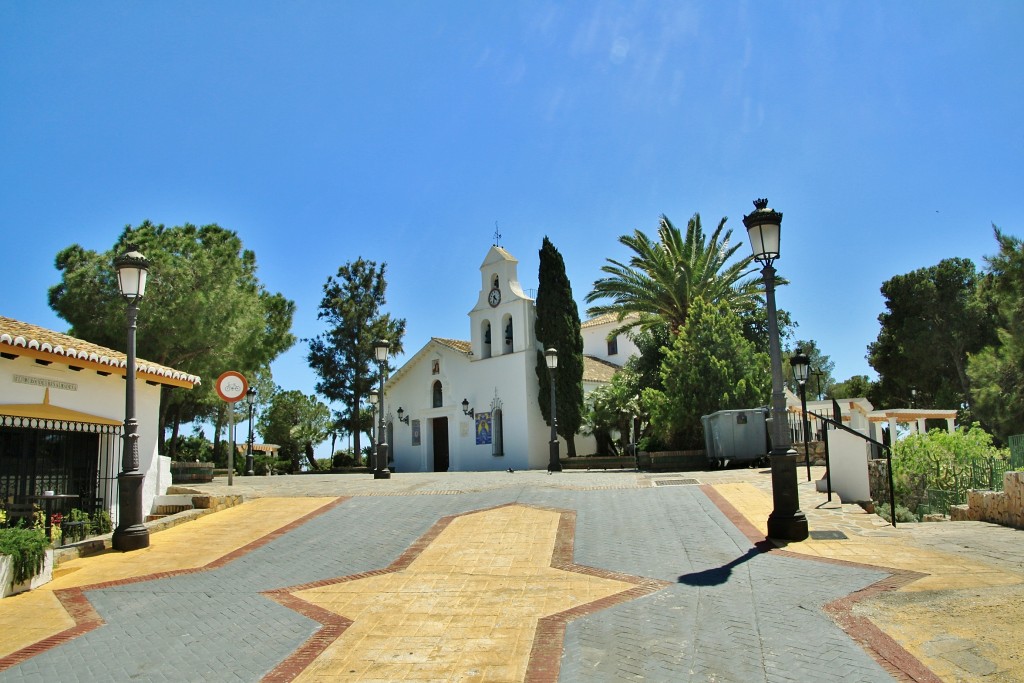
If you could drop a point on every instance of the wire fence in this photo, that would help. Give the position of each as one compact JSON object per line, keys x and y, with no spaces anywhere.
{"x":975,"y":475}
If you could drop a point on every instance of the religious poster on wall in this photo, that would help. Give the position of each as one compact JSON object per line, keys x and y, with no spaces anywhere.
{"x":483,"y":428}
{"x":415,"y":432}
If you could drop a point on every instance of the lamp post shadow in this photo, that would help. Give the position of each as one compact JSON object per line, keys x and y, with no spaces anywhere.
{"x":716,"y":576}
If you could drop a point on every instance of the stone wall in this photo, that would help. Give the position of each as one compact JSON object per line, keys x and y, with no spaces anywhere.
{"x":816,"y":449}
{"x":1004,"y":507}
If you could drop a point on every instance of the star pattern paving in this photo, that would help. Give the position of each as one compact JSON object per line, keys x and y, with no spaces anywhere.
{"x":483,"y":596}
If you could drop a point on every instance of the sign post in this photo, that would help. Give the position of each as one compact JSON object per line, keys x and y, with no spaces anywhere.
{"x":232,"y":387}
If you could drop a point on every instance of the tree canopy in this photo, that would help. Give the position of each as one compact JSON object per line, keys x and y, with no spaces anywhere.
{"x":297,"y":423}
{"x":710,"y":366}
{"x":934,"y":319}
{"x":343,"y":356}
{"x":663,"y":277}
{"x":558,"y":327}
{"x":997,"y":370}
{"x":820,"y":362}
{"x":857,"y":386}
{"x":204,"y":312}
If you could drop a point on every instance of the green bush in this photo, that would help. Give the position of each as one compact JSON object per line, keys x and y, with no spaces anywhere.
{"x":903,"y":514}
{"x":27,"y":549}
{"x":944,"y":461}
{"x":345,"y":459}
{"x":101,"y":523}
{"x":268,"y":464}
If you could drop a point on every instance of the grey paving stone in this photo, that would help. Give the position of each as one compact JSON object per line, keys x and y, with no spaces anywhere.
{"x":731,"y":613}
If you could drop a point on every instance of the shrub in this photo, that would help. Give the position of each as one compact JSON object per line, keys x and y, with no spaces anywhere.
{"x":27,"y":550}
{"x":345,"y":459}
{"x":940,"y":460}
{"x":903,"y":514}
{"x":101,"y":523}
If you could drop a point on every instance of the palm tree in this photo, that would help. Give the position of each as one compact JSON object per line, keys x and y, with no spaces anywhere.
{"x":662,"y":278}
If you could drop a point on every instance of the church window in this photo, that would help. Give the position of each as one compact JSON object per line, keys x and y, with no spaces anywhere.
{"x":613,"y":346}
{"x":486,"y":351}
{"x":508,"y":332}
{"x":438,"y":398}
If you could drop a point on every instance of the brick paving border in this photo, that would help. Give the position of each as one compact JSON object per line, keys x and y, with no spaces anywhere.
{"x":549,"y":638}
{"x":889,"y":654}
{"x":87,"y":619}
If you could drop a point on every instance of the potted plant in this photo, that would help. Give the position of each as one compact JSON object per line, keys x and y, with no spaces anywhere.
{"x":26,"y":559}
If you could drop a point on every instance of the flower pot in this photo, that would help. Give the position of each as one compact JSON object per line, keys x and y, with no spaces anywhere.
{"x":7,"y":575}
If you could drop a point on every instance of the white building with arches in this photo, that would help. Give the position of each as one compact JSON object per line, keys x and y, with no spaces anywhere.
{"x":473,"y":405}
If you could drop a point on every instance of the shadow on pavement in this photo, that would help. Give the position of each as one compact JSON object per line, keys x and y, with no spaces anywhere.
{"x":716,"y":576}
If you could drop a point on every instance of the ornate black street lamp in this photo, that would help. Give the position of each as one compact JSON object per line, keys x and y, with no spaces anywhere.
{"x":380,"y":350}
{"x":554,"y":464}
{"x":250,"y":399}
{"x":130,"y":534}
{"x":786,"y":521}
{"x":801,"y":365}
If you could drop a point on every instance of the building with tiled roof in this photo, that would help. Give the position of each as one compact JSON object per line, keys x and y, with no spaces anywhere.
{"x":473,"y":405}
{"x":47,"y":345}
{"x":62,"y":409}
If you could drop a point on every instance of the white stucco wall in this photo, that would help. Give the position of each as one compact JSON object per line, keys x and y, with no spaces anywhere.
{"x":511,"y":376}
{"x":89,"y":392}
{"x":595,"y":343}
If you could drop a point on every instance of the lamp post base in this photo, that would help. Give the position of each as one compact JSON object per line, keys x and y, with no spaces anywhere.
{"x":249,"y":466}
{"x":130,"y":533}
{"x":382,"y":474}
{"x":554,"y":461}
{"x":786,"y":522}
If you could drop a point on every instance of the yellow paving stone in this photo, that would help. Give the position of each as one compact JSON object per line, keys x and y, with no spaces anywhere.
{"x":955,"y":608}
{"x":944,"y":570}
{"x":29,"y":617}
{"x":483,"y":592}
{"x":185,"y":546}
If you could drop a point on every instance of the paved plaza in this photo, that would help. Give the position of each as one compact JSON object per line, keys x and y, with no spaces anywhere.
{"x":525,"y":576}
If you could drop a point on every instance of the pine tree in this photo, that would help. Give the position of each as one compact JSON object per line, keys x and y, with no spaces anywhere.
{"x":710,"y":366}
{"x":558,"y":327}
{"x":343,"y":357}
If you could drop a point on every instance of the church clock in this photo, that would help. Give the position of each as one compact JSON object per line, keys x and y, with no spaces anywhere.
{"x":494,"y":297}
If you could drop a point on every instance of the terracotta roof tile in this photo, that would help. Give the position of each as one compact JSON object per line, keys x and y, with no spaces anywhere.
{"x":66,"y":349}
{"x":598,"y":370}
{"x":456,"y":344}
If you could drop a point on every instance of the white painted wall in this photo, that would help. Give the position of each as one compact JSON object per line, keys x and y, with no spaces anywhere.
{"x":102,"y":396}
{"x":511,"y":376}
{"x":595,"y":343}
{"x":848,"y":456}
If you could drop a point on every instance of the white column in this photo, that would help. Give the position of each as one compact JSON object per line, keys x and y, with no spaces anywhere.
{"x":921,"y":428}
{"x":950,"y":427}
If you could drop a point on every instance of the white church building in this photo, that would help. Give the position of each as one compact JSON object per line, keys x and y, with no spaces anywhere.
{"x":473,"y":405}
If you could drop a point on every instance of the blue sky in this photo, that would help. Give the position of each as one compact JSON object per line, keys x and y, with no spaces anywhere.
{"x":889,"y":134}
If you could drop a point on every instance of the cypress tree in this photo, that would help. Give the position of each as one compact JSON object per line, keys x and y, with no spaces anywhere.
{"x":558,"y":327}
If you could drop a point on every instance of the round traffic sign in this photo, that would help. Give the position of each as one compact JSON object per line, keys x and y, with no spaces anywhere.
{"x":232,"y":386}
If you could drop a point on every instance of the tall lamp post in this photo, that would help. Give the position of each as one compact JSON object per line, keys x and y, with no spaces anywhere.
{"x":801,"y":365}
{"x":373,"y":426}
{"x":817,"y":376}
{"x":380,"y":350}
{"x":250,"y":399}
{"x":786,"y":522}
{"x":130,"y":534}
{"x":551,"y":359}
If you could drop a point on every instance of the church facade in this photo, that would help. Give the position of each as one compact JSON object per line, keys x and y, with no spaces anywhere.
{"x":473,"y":405}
